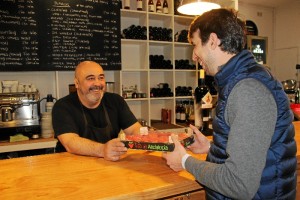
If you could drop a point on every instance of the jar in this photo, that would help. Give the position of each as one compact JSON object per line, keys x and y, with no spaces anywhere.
{"x":110,"y":87}
{"x":49,"y":103}
{"x":46,"y":125}
{"x":49,"y":106}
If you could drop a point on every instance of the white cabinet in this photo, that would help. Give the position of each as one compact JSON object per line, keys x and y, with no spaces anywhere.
{"x":135,"y":61}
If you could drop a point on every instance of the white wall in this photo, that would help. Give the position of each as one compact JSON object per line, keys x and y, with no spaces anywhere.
{"x":282,"y":27}
{"x":45,"y":81}
{"x":51,"y":82}
{"x":287,"y":40}
{"x":263,"y":17}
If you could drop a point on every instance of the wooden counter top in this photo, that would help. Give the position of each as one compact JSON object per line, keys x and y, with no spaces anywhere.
{"x":296,"y":115}
{"x":139,"y":175}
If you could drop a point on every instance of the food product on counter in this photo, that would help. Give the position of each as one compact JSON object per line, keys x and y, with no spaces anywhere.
{"x":156,"y":141}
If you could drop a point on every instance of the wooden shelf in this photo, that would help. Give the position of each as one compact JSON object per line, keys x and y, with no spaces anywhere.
{"x":162,"y":126}
{"x":6,"y":146}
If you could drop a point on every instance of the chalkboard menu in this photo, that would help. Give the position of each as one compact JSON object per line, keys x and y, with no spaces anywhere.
{"x":55,"y":35}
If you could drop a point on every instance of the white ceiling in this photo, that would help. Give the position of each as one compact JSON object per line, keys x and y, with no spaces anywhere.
{"x":267,"y":3}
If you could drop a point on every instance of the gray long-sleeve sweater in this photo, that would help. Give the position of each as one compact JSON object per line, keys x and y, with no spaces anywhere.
{"x":251,"y":113}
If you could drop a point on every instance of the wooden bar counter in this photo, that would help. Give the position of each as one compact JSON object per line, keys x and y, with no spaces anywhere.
{"x":138,"y":175}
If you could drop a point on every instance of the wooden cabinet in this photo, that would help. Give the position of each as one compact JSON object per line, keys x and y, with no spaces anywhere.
{"x":196,"y":195}
{"x":41,"y":143}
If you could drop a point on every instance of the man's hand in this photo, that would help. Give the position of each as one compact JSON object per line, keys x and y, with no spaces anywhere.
{"x":201,"y":144}
{"x":174,"y":158}
{"x":113,"y":149}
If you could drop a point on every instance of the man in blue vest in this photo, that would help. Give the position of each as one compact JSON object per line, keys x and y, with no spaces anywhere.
{"x":253,"y":153}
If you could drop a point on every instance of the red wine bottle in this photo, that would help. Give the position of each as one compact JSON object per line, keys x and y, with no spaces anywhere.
{"x":203,"y":99}
{"x":202,"y":89}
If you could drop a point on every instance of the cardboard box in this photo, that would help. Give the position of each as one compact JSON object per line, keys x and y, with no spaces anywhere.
{"x":157,"y":146}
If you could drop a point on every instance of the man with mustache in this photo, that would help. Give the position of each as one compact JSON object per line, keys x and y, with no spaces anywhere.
{"x":88,"y":122}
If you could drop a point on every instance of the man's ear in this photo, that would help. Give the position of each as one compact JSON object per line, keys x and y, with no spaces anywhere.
{"x":76,"y":82}
{"x":214,"y":41}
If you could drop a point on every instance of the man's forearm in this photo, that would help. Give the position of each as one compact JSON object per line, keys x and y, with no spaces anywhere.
{"x":83,"y":146}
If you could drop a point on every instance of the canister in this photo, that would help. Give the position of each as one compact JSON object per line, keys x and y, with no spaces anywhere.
{"x":110,"y":87}
{"x":6,"y":114}
{"x":46,"y":125}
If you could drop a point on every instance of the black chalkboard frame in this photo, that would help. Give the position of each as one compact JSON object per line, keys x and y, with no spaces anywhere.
{"x":55,"y":35}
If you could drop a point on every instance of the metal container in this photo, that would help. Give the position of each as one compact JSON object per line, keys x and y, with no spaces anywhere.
{"x":72,"y":88}
{"x":6,"y":114}
{"x":110,"y":87}
{"x":289,"y":85}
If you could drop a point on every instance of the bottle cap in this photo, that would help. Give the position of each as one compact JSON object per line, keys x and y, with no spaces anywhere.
{"x":49,"y":98}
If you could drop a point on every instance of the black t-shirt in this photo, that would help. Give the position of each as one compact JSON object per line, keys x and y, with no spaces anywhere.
{"x":67,"y":116}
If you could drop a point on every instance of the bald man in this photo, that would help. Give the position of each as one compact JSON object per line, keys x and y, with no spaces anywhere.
{"x":88,"y":122}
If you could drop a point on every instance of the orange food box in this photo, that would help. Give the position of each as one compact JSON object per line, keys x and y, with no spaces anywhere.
{"x":157,"y":141}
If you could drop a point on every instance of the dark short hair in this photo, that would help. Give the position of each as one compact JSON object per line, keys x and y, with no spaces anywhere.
{"x":225,"y":24}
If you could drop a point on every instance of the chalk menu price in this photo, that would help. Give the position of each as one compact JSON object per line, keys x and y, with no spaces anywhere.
{"x":18,"y":36}
{"x":57,"y":34}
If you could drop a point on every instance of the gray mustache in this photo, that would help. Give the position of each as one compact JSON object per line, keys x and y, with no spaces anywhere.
{"x":97,"y":88}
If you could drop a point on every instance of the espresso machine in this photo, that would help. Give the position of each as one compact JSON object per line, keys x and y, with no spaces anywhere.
{"x":20,"y":113}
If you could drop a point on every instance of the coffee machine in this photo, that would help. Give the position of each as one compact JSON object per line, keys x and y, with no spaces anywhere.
{"x":20,"y":113}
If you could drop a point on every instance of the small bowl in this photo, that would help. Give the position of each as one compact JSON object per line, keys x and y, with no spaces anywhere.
{"x":35,"y":136}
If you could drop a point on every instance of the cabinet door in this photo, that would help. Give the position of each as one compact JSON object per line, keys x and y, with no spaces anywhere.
{"x":185,"y":76}
{"x":134,"y":52}
{"x":161,"y":69}
{"x":198,"y":195}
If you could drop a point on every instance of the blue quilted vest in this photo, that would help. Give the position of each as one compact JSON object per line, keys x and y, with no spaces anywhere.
{"x":279,"y":177}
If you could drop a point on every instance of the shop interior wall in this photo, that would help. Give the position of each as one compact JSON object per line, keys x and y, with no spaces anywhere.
{"x":56,"y":83}
{"x":282,"y":28}
{"x":287,"y":40}
{"x":263,"y":17}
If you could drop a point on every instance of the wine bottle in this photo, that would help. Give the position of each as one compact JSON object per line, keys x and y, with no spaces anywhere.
{"x":126,"y":4}
{"x":165,"y":7}
{"x":139,"y":4}
{"x":202,"y":89}
{"x":150,"y":6}
{"x":182,"y":113}
{"x":203,"y":100}
{"x":191,"y":114}
{"x":178,"y":112}
{"x":176,"y":5}
{"x":158,"y":6}
{"x":187,"y":112}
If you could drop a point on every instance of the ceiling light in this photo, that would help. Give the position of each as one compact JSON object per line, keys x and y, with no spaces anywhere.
{"x":196,"y":7}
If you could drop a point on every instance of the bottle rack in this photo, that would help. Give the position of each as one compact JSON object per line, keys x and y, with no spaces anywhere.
{"x":136,"y":65}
